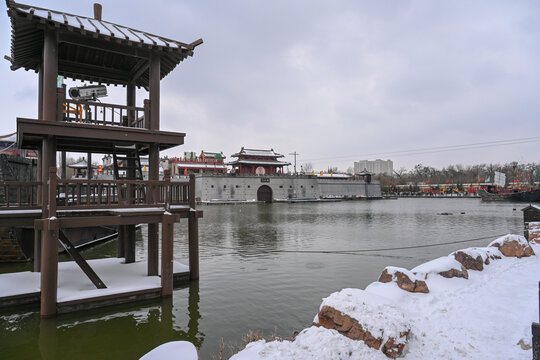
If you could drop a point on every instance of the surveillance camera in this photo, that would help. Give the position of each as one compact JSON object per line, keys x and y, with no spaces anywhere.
{"x":91,"y":92}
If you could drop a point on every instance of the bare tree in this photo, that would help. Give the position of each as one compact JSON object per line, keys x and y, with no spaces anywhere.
{"x":308,"y":167}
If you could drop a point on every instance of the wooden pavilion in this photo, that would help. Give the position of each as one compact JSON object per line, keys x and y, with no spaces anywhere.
{"x":54,"y":43}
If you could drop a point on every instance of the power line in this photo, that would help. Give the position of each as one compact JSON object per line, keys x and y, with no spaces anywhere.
{"x":358,"y":251}
{"x":437,"y":149}
{"x":386,"y":249}
{"x":295,"y":155}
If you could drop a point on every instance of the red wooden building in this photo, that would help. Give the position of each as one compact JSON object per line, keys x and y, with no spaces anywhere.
{"x":258,"y":162}
{"x":207,"y":162}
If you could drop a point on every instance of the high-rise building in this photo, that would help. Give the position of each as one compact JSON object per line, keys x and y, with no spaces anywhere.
{"x":378,"y":166}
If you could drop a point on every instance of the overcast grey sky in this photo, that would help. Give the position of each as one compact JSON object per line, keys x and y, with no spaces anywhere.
{"x":334,"y":81}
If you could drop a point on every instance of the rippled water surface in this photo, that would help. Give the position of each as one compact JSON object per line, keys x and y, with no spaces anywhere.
{"x":263,"y":267}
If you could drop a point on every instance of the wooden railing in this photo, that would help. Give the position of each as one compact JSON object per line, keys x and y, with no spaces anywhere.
{"x":96,"y":113}
{"x":97,"y":194}
{"x":78,"y":194}
{"x":19,"y":194}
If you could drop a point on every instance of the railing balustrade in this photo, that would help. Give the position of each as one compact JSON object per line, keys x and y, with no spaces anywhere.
{"x":96,"y":113}
{"x":78,"y":194}
{"x":19,"y":194}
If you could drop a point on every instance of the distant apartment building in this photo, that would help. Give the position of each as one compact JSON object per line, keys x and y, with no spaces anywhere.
{"x":378,"y":166}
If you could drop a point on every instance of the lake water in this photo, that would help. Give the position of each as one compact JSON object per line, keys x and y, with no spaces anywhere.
{"x":263,"y":268}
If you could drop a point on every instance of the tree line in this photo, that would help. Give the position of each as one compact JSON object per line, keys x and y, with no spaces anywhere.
{"x":525,"y":174}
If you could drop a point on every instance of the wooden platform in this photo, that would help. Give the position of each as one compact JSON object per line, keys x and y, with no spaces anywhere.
{"x":125,"y":283}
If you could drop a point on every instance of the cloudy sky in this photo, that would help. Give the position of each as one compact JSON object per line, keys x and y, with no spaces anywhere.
{"x":336,"y":81}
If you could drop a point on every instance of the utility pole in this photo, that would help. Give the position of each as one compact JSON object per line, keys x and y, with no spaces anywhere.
{"x":295,"y":155}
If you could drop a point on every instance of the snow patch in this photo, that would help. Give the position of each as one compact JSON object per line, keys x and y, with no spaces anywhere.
{"x":508,"y":238}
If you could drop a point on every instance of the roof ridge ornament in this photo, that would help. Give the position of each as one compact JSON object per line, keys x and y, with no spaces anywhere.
{"x":98,"y":10}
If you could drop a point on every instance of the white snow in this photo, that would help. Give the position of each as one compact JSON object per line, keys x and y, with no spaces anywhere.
{"x":380,"y":315}
{"x":436,"y":266}
{"x":484,"y":317}
{"x":508,"y":238}
{"x":73,"y":284}
{"x":391,"y":270}
{"x":25,"y":282}
{"x":177,"y":350}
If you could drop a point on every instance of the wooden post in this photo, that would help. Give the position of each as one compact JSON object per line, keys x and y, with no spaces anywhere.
{"x":154,"y":79}
{"x":89,"y":167}
{"x":120,"y":252}
{"x":49,"y":252}
{"x":146,"y":114}
{"x":153,"y":250}
{"x":60,"y":100}
{"x":63,"y":169}
{"x":40,"y":93}
{"x":50,"y":74}
{"x":130,"y":101}
{"x":167,"y":190}
{"x":167,"y":230}
{"x":193,"y":232}
{"x":37,"y":250}
{"x":151,"y":107}
{"x":129,"y":244}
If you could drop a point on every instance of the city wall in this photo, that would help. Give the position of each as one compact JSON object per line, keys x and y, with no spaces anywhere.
{"x":245,"y":188}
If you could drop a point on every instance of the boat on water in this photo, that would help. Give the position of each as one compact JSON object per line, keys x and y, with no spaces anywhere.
{"x":495,"y":193}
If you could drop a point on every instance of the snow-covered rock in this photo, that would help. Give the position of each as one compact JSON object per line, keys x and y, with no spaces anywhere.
{"x":445,"y":266}
{"x":513,"y":246}
{"x":373,"y":319}
{"x":404,"y":278}
{"x":534,"y":232}
{"x":476,"y":257}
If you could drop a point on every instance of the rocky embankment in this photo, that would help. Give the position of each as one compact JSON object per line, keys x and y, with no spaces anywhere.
{"x":474,"y":303}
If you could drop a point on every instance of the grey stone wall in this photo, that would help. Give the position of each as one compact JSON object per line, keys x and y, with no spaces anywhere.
{"x":329,"y":188}
{"x":244,"y":188}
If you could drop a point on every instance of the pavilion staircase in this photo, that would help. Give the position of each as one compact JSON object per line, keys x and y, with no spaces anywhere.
{"x":127,"y":158}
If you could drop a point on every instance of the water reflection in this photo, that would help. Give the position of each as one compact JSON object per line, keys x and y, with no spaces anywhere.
{"x":125,"y":332}
{"x":250,"y":280}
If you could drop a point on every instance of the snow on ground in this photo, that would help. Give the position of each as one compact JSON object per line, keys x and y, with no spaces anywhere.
{"x":73,"y":284}
{"x":25,"y":282}
{"x":484,"y":317}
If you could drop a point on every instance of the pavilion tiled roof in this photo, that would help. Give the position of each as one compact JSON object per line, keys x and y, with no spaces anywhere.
{"x":256,"y":152}
{"x":259,"y":162}
{"x":91,"y":49}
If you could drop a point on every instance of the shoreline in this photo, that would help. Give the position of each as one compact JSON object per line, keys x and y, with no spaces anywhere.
{"x":466,"y":315}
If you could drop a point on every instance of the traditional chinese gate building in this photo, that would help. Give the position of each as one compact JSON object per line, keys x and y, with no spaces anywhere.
{"x":258,"y":162}
{"x":54,"y":43}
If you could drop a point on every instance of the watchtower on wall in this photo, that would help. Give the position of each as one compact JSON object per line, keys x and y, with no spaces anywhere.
{"x":258,"y":162}
{"x":54,"y":43}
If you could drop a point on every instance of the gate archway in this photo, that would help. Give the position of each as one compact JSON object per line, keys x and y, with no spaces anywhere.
{"x":264,"y":193}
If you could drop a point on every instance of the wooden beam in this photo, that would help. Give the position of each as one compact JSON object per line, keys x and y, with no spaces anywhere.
{"x":79,"y":131}
{"x":83,"y":69}
{"x":101,"y":44}
{"x":62,"y":238}
{"x":139,"y":69}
